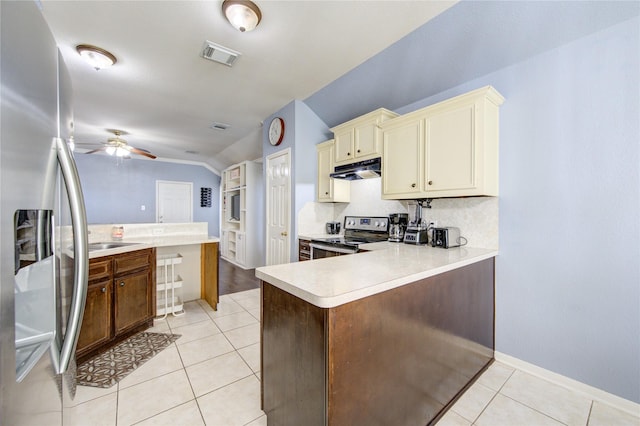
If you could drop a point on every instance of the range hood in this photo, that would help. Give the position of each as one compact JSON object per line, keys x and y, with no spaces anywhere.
{"x":360,"y":170}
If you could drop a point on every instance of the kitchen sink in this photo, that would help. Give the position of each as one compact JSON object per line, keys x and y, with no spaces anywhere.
{"x":108,"y":245}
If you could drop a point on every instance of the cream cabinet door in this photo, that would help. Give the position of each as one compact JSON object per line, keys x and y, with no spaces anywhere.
{"x":344,"y":146}
{"x":402,"y":153}
{"x":324,"y":187}
{"x":241,"y":251}
{"x":450,"y":150}
{"x":366,"y":140}
{"x":327,"y":189}
{"x":223,"y":244}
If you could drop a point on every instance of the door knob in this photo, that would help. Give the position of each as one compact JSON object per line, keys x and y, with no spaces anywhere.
{"x":284,"y":233}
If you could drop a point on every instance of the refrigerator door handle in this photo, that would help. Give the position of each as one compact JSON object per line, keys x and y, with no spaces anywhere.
{"x":81,"y":254}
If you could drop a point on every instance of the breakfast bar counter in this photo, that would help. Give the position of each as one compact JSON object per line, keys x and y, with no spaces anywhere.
{"x":330,"y":282}
{"x":390,"y":336}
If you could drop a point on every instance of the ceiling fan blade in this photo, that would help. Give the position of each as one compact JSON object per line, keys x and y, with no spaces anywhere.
{"x":89,"y":144}
{"x":141,"y":152}
{"x":103,"y":148}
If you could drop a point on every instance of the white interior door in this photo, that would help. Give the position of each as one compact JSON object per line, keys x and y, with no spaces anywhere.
{"x":174,"y":202}
{"x":278,"y":207}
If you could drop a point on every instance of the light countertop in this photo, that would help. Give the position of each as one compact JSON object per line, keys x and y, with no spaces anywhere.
{"x":139,"y":243}
{"x":321,"y":236}
{"x":334,"y":281}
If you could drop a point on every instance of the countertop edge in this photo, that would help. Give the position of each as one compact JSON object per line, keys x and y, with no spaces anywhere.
{"x":337,"y":300}
{"x":151,"y":242}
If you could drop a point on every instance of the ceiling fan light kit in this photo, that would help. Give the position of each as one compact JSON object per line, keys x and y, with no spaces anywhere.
{"x":120,"y":148}
{"x":244,"y":15}
{"x":95,"y":56}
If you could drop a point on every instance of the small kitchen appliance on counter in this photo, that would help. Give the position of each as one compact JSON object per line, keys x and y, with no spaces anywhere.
{"x":333,"y":227}
{"x":417,"y":231}
{"x":357,"y":230}
{"x":446,"y":237}
{"x":397,"y":226}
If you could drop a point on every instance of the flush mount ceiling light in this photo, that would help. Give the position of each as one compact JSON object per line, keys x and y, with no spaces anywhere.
{"x":96,"y":57}
{"x":244,"y":15}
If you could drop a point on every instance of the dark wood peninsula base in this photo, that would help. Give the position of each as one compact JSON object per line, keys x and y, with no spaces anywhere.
{"x":400,"y":357}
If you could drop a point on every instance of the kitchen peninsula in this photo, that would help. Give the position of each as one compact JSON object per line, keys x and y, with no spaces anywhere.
{"x":390,"y":336}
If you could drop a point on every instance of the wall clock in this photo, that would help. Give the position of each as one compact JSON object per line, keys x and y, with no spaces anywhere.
{"x":276,"y":131}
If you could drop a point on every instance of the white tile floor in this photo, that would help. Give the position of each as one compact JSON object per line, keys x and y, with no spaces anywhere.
{"x":211,"y":376}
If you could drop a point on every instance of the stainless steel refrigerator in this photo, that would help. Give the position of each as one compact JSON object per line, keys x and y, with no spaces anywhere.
{"x":43,"y":230}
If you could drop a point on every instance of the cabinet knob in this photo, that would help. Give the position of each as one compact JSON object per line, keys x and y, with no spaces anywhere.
{"x":122,"y":284}
{"x":413,"y":185}
{"x":430,"y":182}
{"x":326,"y":193}
{"x":103,"y":289}
{"x":348,"y":154}
{"x":358,"y":151}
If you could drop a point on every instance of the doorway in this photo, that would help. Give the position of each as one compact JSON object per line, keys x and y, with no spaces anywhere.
{"x":278,"y":170}
{"x":174,"y":201}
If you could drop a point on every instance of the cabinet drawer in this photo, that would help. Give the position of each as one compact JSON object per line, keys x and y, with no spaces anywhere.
{"x":303,"y":244}
{"x":304,"y":250}
{"x":132,"y":261}
{"x":99,"y":268}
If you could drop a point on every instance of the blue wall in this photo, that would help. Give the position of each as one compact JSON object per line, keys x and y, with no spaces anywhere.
{"x":115,"y":190}
{"x":303,"y":131}
{"x":568,"y":273}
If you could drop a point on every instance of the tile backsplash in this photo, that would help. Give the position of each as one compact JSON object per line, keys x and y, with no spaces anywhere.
{"x":477,"y":217}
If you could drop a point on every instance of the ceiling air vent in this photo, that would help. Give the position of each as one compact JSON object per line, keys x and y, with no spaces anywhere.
{"x":217,"y":53}
{"x":219,"y":126}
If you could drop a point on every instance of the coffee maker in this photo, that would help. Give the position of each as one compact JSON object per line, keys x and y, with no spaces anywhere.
{"x":397,"y":225}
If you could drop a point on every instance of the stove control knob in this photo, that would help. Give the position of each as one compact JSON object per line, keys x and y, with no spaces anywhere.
{"x":376,"y":224}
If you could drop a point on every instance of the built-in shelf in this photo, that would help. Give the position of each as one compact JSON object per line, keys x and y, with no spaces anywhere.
{"x":241,"y":239}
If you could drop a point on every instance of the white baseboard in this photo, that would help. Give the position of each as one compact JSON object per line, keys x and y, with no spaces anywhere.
{"x":571,"y":384}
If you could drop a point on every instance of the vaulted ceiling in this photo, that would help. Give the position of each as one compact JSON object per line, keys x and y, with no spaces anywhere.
{"x":166,"y":96}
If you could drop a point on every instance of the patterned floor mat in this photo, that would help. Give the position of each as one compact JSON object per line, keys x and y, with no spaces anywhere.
{"x":108,"y":368}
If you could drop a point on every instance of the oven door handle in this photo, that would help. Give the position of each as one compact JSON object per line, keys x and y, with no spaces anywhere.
{"x":335,"y":249}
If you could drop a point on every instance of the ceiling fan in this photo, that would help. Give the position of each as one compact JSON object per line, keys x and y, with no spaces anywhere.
{"x":119,"y":147}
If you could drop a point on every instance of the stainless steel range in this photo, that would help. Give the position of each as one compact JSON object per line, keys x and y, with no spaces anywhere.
{"x":357,"y":230}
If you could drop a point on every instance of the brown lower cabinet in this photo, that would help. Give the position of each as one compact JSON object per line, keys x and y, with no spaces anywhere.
{"x":120,"y":300}
{"x":400,"y":357}
{"x":304,"y":250}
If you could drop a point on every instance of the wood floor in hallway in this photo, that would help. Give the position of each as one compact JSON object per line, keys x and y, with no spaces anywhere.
{"x":234,"y":279}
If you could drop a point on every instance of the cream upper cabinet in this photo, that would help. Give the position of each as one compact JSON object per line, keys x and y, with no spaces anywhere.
{"x":457,"y":151}
{"x":360,"y":138}
{"x":450,"y":155}
{"x":329,"y":190}
{"x":402,"y":153}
